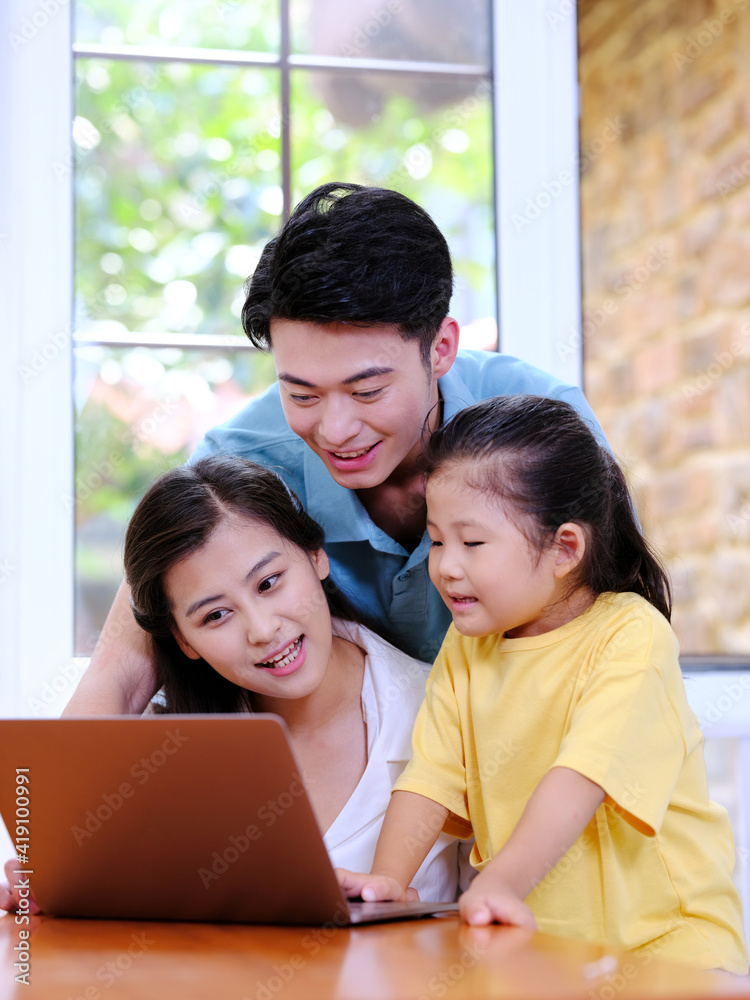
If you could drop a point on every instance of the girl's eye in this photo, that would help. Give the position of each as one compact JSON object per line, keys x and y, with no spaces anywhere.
{"x":268,"y":583}
{"x":472,"y":545}
{"x":434,"y":544}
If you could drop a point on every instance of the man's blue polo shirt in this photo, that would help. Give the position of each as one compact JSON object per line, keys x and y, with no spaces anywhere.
{"x":390,"y":584}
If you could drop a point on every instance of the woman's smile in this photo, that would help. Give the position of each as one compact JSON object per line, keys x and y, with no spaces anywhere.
{"x":288,"y":660}
{"x":251,"y":604}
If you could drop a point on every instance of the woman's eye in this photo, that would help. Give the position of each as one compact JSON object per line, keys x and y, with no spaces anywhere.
{"x":434,"y":544}
{"x":214,"y":616}
{"x":472,"y":545}
{"x":268,"y":583}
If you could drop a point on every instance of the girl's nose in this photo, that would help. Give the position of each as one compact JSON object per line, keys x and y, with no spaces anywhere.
{"x":449,"y":565}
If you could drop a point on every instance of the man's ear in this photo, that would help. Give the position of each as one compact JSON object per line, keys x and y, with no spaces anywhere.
{"x":570,"y":545}
{"x":186,"y":648}
{"x":444,"y":347}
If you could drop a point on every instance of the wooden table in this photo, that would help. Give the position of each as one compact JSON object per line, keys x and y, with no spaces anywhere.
{"x":414,"y":960}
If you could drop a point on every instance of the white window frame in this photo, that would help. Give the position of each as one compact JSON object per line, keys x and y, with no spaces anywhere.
{"x":36,"y":234}
{"x":537,"y":184}
{"x":536,"y":116}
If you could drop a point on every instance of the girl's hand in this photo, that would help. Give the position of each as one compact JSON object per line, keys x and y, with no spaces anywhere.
{"x":9,"y":895}
{"x":489,"y":900}
{"x":373,"y":888}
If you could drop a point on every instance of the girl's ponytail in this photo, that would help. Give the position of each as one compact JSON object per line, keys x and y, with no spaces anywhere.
{"x":634,"y":566}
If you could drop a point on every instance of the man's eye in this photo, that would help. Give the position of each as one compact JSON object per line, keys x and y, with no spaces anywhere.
{"x":368,"y":394}
{"x":300,"y":399}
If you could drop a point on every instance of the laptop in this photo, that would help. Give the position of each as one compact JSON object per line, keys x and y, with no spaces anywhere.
{"x":172,"y":817}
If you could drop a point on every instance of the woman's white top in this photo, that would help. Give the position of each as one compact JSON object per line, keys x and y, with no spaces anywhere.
{"x":392,"y":691}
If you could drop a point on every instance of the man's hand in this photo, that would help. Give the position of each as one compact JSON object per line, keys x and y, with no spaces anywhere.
{"x":374,"y":888}
{"x":121,"y":677}
{"x":489,"y":901}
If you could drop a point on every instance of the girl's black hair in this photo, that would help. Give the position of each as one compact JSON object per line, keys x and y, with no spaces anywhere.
{"x":540,"y":456}
{"x":175,"y":518}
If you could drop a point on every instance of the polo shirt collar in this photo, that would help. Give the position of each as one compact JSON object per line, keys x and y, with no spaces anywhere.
{"x":455,"y":393}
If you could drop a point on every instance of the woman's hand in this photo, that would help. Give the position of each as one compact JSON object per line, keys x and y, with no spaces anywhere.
{"x":373,"y":887}
{"x":489,"y":900}
{"x":10,"y":891}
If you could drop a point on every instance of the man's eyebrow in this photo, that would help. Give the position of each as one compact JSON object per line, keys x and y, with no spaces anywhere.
{"x":196,"y":605}
{"x":373,"y":372}
{"x":286,"y":377}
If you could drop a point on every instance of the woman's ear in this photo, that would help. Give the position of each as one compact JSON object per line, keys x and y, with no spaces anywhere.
{"x":186,"y":648}
{"x":570,"y":545}
{"x":321,"y":564}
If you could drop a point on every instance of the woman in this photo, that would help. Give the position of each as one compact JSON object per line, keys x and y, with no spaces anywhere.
{"x":228,"y":575}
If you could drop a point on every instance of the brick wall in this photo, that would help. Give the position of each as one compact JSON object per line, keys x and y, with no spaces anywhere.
{"x":665,"y":206}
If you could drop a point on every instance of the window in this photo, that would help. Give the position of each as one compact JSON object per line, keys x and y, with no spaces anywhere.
{"x":155,"y":341}
{"x":196,"y":129}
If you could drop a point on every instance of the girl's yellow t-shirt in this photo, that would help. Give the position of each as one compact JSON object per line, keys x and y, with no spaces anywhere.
{"x":604,"y":696}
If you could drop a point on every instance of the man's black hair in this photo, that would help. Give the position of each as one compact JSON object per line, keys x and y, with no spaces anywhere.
{"x":356,"y":255}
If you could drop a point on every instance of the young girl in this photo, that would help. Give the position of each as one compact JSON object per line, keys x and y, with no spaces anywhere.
{"x":556,"y":726}
{"x":228,"y":574}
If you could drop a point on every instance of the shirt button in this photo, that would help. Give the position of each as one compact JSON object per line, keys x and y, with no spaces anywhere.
{"x":405,"y":576}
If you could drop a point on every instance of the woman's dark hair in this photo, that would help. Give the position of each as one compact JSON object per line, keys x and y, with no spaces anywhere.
{"x":175,"y":518}
{"x":540,"y":456}
{"x":356,"y":255}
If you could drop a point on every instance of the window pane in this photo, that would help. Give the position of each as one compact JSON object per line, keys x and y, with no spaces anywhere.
{"x":455,"y":31}
{"x":177,"y":187}
{"x":138,"y":413}
{"x":220,"y":24}
{"x":383,"y":129}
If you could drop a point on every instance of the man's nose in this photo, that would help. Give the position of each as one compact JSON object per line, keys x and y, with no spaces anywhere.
{"x":339,"y":423}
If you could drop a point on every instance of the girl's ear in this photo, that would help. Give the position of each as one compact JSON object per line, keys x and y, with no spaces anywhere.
{"x":321,"y":564}
{"x":570,"y":544}
{"x":186,"y":648}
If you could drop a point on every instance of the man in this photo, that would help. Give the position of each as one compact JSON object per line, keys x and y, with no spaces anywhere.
{"x":352,"y":298}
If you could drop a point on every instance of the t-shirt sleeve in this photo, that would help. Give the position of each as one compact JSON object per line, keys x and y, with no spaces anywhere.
{"x":437,"y":767}
{"x":625,"y":734}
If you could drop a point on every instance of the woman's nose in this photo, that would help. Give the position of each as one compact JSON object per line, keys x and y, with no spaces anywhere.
{"x":262,"y":627}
